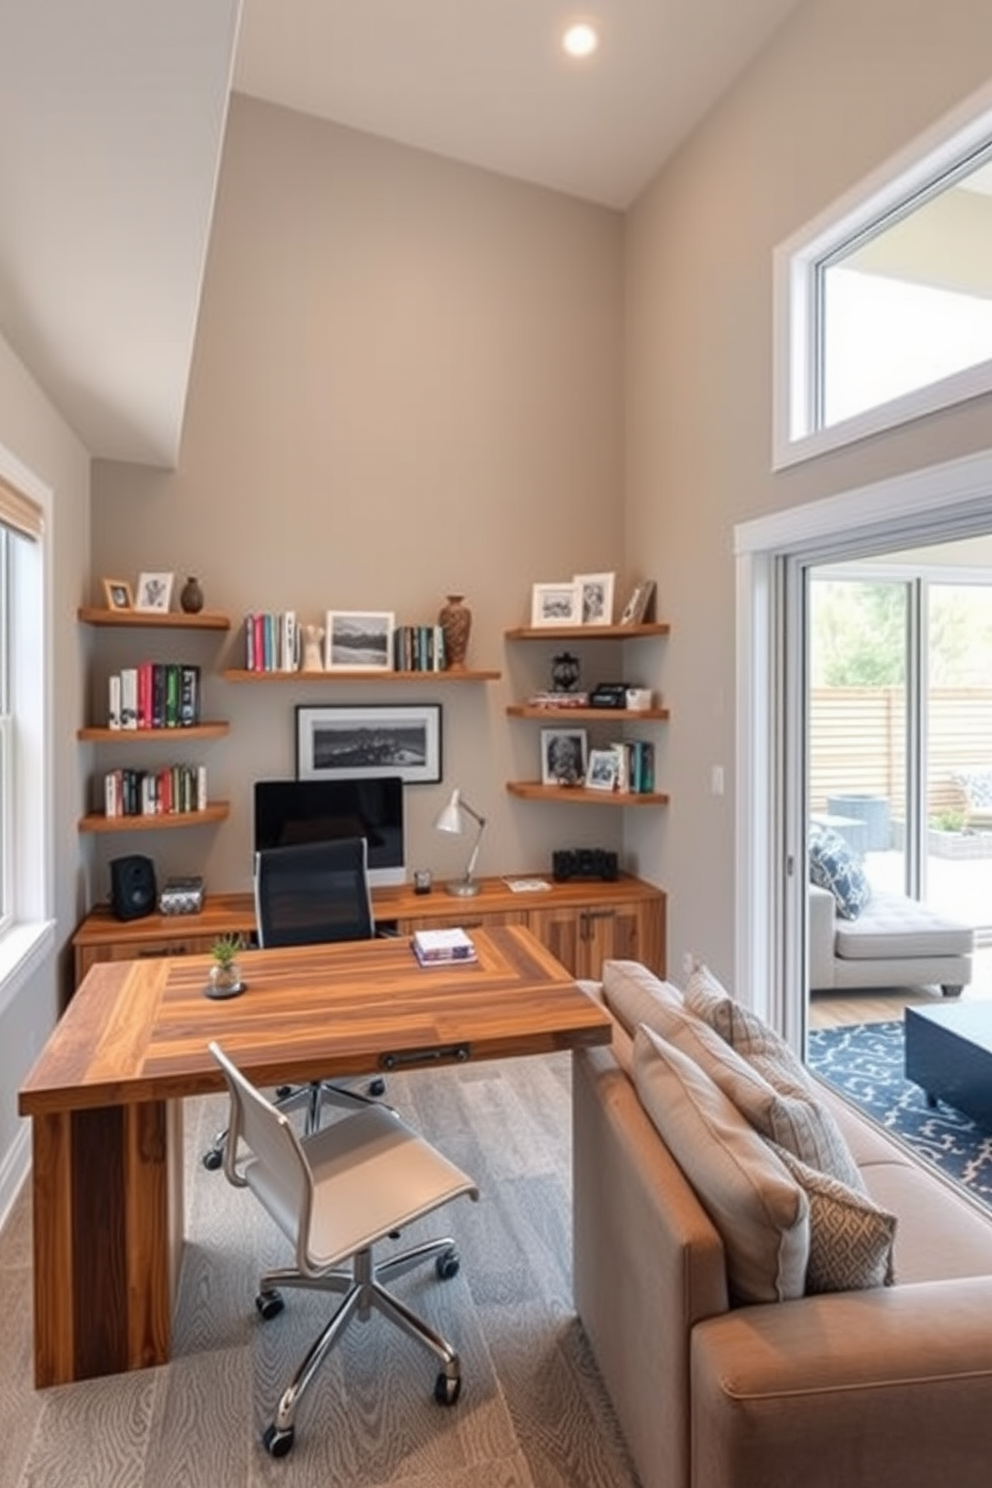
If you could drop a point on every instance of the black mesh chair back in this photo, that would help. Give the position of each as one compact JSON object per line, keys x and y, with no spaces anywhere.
{"x":313,"y":892}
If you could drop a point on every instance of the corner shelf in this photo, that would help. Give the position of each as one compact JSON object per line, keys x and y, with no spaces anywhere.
{"x":577,"y":795}
{"x":97,"y":822}
{"x":591,"y":715}
{"x":215,"y":730}
{"x":455,"y":674}
{"x":154,"y":619}
{"x":587,"y":632}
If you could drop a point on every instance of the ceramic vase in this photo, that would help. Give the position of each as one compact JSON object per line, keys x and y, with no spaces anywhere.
{"x":191,"y":597}
{"x":455,"y":620}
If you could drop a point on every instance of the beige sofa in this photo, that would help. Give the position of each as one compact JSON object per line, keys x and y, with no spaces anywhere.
{"x":883,"y":1388}
{"x":894,"y":942}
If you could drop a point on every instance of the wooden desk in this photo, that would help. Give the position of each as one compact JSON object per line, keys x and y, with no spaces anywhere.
{"x":105,"y":1099}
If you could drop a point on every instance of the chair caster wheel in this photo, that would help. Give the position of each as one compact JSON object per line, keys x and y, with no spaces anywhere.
{"x":447,"y":1391}
{"x":212,"y":1160}
{"x":377,"y":1087}
{"x":277,"y":1443}
{"x":270,"y":1305}
{"x":447,"y":1266}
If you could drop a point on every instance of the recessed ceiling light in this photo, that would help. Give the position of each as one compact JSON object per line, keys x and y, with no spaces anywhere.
{"x":580,"y":40}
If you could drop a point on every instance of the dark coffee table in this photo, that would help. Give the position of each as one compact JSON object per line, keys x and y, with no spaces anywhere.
{"x":949,"y":1055}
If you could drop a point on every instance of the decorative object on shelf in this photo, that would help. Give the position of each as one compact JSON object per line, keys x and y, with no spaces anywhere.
{"x":455,"y":620}
{"x":313,"y":636}
{"x":451,"y":818}
{"x":191,"y":597}
{"x":563,"y":756}
{"x":635,"y":611}
{"x":554,"y":604}
{"x":360,"y":640}
{"x":584,"y":862}
{"x":154,"y":591}
{"x":639,"y":699}
{"x":378,"y":739}
{"x":603,"y":771}
{"x":117,"y":593}
{"x":565,"y":670}
{"x":595,"y":602}
{"x":422,"y":880}
{"x":225,"y":973}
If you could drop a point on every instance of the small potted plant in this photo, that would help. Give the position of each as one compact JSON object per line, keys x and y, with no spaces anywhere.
{"x":225,"y":974}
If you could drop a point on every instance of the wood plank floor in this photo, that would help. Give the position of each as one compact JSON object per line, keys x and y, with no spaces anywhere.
{"x":880,"y":1005}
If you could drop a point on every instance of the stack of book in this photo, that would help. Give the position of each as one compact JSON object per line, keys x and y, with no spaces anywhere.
{"x":442,"y":947}
{"x":559,"y":700}
{"x":272,"y":642}
{"x":418,"y":648}
{"x":175,"y":789}
{"x":635,"y":766}
{"x":154,"y":695}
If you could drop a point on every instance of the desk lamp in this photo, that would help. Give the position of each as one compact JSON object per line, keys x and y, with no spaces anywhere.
{"x":451,"y":818}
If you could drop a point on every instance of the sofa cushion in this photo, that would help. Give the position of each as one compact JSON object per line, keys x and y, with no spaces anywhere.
{"x":633,"y":993}
{"x":760,"y":1211}
{"x":894,"y":927}
{"x":851,"y":1237}
{"x":834,"y":866}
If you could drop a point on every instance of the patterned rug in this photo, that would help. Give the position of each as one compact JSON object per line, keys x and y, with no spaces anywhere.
{"x":865,"y":1062}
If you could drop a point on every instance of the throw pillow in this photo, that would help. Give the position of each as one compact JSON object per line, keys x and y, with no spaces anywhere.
{"x":760,"y":1212}
{"x":833,"y":866}
{"x":633,"y":994}
{"x":850,"y":1236}
{"x":771,"y":1057}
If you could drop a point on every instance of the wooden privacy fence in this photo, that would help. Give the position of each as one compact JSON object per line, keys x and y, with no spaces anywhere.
{"x":857,"y":743}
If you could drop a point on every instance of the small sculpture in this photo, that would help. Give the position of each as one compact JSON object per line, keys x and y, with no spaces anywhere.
{"x":564,"y":671}
{"x":313,"y":636}
{"x":191,"y":597}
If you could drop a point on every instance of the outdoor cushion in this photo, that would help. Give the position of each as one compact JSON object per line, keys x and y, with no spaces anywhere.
{"x":833,"y":866}
{"x":894,"y":927}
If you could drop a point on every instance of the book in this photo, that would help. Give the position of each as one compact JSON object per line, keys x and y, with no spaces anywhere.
{"x":526,"y":885}
{"x":114,"y":702}
{"x":432,"y":947}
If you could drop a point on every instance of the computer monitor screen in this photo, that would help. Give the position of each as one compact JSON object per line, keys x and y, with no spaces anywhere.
{"x":317,"y":810}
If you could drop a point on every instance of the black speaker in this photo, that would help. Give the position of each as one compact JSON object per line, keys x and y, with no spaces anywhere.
{"x":132,"y":887}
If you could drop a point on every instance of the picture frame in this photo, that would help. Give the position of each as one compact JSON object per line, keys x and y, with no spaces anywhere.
{"x":118,"y":594}
{"x":638,"y":606}
{"x":554,"y":605}
{"x":347,"y":743}
{"x":603,"y":770}
{"x":359,"y":640}
{"x":154,"y":592}
{"x":595,"y":598}
{"x":563,"y":756}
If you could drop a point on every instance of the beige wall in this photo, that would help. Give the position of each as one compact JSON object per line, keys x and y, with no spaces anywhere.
{"x":35,"y":435}
{"x":844,"y":86}
{"x":407,"y":382}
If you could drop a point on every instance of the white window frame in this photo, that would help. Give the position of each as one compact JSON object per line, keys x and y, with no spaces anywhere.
{"x":796,"y":435}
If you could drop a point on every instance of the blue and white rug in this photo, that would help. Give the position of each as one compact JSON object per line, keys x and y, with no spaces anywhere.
{"x":865,"y":1062}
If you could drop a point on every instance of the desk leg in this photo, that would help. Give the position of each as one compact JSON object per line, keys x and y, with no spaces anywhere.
{"x":107,"y":1227}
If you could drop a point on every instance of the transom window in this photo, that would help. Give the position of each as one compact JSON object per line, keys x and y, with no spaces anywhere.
{"x":884,"y":305}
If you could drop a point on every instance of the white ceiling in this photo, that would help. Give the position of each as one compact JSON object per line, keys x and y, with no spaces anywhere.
{"x":111,"y":125}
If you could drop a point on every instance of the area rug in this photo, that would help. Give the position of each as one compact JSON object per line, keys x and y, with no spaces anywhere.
{"x":865,"y":1062}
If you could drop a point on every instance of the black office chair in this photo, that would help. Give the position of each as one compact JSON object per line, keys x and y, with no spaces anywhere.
{"x":311,"y":893}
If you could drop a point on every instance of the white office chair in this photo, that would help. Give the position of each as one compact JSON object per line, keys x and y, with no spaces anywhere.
{"x":335,"y":1194}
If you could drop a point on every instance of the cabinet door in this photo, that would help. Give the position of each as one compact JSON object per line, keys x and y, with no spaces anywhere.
{"x":582,"y":937}
{"x":559,"y":928}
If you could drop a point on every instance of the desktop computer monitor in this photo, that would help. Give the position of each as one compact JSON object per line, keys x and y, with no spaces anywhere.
{"x":289,"y":811}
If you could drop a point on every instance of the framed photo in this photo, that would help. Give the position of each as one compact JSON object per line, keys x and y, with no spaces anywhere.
{"x":554,"y":604}
{"x":604,"y":768}
{"x":563,"y":756}
{"x":635,"y":611}
{"x":359,"y":641}
{"x":595,"y":598}
{"x":348,"y":743}
{"x":117,"y":593}
{"x":154,"y":591}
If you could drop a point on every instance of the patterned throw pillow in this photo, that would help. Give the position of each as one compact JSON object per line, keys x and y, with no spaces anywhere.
{"x":833,"y":866}
{"x":771,"y":1057}
{"x":977,"y":786}
{"x":850,"y":1236}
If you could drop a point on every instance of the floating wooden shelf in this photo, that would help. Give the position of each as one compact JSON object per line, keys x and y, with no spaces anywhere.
{"x":597,"y":715}
{"x":150,"y":736}
{"x":97,"y":822}
{"x":586,"y":632}
{"x":235,"y":674}
{"x":574,"y":795}
{"x":155,"y":619}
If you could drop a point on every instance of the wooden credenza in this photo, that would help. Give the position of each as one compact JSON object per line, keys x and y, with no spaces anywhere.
{"x":582,"y":924}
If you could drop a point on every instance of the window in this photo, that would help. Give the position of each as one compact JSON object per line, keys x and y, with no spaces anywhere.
{"x":884,"y":305}
{"x":25,"y":854}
